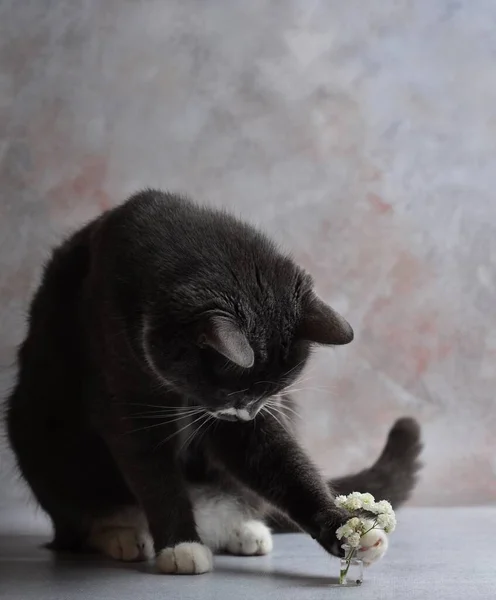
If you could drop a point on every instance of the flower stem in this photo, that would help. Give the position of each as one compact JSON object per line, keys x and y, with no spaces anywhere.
{"x":373,"y":527}
{"x":344,"y":572}
{"x":351,"y":554}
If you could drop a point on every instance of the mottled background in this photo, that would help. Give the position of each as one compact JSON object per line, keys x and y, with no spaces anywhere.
{"x":362,"y":135}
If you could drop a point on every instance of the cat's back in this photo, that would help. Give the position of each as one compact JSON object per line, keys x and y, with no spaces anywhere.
{"x":62,"y":278}
{"x":158,"y":232}
{"x":51,"y":356}
{"x":150,"y":210}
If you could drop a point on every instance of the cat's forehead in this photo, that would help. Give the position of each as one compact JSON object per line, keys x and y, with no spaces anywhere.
{"x":275,"y":274}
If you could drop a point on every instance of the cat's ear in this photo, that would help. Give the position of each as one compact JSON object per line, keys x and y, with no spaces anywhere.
{"x":323,"y":325}
{"x":224,"y":336}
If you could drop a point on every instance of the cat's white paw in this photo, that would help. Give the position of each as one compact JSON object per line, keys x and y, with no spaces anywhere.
{"x":373,"y":546}
{"x":251,"y":538}
{"x":185,"y":558}
{"x":124,"y":543}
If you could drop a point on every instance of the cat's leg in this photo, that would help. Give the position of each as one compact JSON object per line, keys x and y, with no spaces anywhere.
{"x":125,"y":536}
{"x":69,"y":470}
{"x":149,"y":465}
{"x":268,"y":459}
{"x":227,"y":523}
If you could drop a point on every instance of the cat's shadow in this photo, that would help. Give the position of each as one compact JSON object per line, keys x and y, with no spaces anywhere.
{"x":24,"y":547}
{"x":290,"y":577}
{"x":282,"y":575}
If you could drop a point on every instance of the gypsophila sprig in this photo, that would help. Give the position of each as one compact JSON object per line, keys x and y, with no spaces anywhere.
{"x":380,"y":516}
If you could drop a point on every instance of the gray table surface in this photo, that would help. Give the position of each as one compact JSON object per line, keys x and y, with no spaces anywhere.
{"x":434,"y":554}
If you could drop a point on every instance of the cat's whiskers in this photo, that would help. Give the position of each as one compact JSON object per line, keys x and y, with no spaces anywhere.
{"x":163,"y":415}
{"x":308,"y":375}
{"x":280,"y":403}
{"x":159,"y":385}
{"x":282,"y":406}
{"x":211,"y":423}
{"x":285,"y":375}
{"x":294,"y":368}
{"x":309,"y":389}
{"x":296,"y":383}
{"x":195,"y":432}
{"x":274,"y":416}
{"x":161,"y":406}
{"x":168,"y":438}
{"x":238,"y":392}
{"x":168,"y":411}
{"x":161,"y":424}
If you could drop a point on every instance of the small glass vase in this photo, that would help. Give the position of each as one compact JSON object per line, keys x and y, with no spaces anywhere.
{"x":350,"y":568}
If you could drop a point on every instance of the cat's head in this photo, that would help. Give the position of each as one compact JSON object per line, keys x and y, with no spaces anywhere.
{"x":237,"y":327}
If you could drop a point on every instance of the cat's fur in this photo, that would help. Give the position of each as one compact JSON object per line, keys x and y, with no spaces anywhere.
{"x":149,"y":409}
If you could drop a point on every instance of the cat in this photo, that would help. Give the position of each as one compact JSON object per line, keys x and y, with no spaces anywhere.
{"x":150,"y":415}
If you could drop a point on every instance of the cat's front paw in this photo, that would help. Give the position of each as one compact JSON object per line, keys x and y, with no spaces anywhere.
{"x":251,"y":538}
{"x":325,"y":534}
{"x":187,"y":558}
{"x":373,"y":546}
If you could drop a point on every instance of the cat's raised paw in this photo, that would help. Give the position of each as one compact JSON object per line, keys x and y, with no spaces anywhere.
{"x":373,"y":546}
{"x":187,"y":558}
{"x":251,"y":538}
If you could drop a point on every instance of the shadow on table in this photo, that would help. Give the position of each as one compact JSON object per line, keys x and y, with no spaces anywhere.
{"x":21,"y":548}
{"x":290,"y":577}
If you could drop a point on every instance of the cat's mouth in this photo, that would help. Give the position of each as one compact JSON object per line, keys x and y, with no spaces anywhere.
{"x":233,"y":414}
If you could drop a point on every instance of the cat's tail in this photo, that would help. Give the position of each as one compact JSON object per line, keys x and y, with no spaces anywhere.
{"x":392,"y":477}
{"x":394,"y":474}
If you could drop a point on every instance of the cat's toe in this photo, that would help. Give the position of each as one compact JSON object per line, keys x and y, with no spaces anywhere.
{"x":252,"y":538}
{"x":187,"y":558}
{"x":145,"y":545}
{"x":373,"y":546}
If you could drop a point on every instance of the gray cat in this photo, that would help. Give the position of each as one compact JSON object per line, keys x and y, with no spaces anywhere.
{"x":150,"y":414}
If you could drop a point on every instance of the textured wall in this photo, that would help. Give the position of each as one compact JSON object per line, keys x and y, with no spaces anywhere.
{"x":361,"y":134}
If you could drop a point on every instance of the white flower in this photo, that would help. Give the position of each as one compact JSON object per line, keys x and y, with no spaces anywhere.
{"x":352,"y":526}
{"x":368,"y":500}
{"x":383,"y":520}
{"x":391,"y":527}
{"x":356,"y":527}
{"x":386,"y":522}
{"x":350,"y":502}
{"x":353,"y":540}
{"x":384,"y":507}
{"x":355,"y":501}
{"x":355,"y":523}
{"x":344,"y":531}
